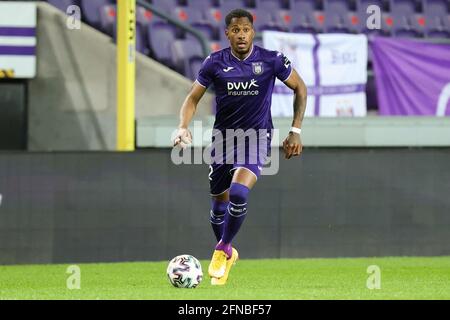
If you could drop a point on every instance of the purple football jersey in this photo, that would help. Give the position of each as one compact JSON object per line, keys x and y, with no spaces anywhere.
{"x":244,"y":87}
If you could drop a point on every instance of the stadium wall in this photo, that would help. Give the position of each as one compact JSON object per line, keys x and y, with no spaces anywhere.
{"x":13,"y":115}
{"x":72,"y":102}
{"x":105,"y":207}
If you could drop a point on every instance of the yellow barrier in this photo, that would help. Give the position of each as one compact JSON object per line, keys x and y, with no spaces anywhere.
{"x":126,"y":54}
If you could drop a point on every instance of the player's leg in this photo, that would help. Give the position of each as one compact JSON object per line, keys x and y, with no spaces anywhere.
{"x":219,"y":205}
{"x":243,"y":180}
{"x":219,"y":180}
{"x":224,"y":255}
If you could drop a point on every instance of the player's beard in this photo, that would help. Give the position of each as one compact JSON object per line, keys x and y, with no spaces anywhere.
{"x":243,"y":51}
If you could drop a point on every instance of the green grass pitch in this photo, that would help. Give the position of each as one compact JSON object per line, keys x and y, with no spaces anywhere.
{"x":401,"y":278}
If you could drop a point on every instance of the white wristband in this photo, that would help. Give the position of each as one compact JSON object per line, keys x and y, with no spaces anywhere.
{"x":296,"y":130}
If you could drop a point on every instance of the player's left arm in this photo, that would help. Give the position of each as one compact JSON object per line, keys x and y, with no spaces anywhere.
{"x":292,"y":145}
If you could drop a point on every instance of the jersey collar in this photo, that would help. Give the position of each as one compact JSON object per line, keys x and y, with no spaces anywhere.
{"x":248,"y":56}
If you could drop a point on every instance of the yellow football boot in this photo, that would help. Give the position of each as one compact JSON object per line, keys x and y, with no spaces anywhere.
{"x":230,"y":262}
{"x":218,"y":264}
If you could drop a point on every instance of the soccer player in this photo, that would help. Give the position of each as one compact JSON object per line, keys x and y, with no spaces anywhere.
{"x":243,"y":77}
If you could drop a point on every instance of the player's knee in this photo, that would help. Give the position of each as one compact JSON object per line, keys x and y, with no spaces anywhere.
{"x":218,"y":211}
{"x":238,"y":199}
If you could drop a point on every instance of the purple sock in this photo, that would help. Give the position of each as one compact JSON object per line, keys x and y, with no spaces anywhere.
{"x":225,"y":247}
{"x":236,"y":212}
{"x":217,"y":217}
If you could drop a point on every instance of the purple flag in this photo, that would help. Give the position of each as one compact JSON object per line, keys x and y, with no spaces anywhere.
{"x":412,"y":77}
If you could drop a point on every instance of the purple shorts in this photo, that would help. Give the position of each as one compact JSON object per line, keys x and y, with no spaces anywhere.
{"x":249,"y":155}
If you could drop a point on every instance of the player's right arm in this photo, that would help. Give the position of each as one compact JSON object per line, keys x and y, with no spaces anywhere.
{"x":184,"y":136}
{"x":204,"y":79}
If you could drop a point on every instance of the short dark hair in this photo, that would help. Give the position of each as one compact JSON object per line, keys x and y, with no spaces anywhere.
{"x":238,"y":13}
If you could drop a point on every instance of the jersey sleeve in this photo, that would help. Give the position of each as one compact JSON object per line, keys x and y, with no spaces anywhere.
{"x":283,"y":68}
{"x":205,"y":74}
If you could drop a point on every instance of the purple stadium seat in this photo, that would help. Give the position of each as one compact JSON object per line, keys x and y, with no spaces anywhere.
{"x":108,"y":18}
{"x":406,"y":23}
{"x":265,"y":20}
{"x":195,"y":65}
{"x":268,"y":4}
{"x":306,"y":17}
{"x":207,"y":30}
{"x":200,"y":4}
{"x":284,"y":18}
{"x":189,"y":15}
{"x":338,"y":17}
{"x":196,"y":19}
{"x":91,"y":11}
{"x":228,"y":5}
{"x":64,"y":4}
{"x":437,"y":17}
{"x":146,"y":17}
{"x":215,"y":17}
{"x":165,"y":5}
{"x":210,"y":15}
{"x":185,"y":54}
{"x":161,"y":36}
{"x":141,"y":40}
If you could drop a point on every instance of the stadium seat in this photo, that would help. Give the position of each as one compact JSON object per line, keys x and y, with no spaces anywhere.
{"x":64,"y":4}
{"x":196,"y":19}
{"x":306,"y":17}
{"x":406,"y":22}
{"x":437,"y":17}
{"x":141,"y":40}
{"x":189,"y":15}
{"x":145,"y":17}
{"x":228,"y":5}
{"x":200,"y":4}
{"x":207,"y":30}
{"x":338,"y":17}
{"x":195,"y":65}
{"x":268,"y":4}
{"x":166,"y":6}
{"x":187,"y":55}
{"x":265,"y":20}
{"x":161,"y":36}
{"x":108,"y":18}
{"x":284,"y":18}
{"x":215,"y":17}
{"x":92,"y":11}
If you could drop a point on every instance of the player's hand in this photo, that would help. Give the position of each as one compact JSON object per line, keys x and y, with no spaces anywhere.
{"x":183,"y":138}
{"x":292,"y":145}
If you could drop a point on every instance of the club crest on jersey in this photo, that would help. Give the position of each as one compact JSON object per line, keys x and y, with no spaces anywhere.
{"x":257,"y":68}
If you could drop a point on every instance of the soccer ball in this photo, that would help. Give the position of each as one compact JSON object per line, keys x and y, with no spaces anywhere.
{"x":184,"y":271}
